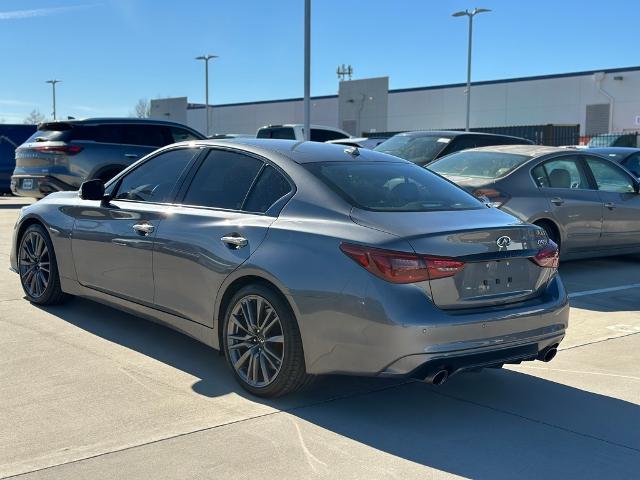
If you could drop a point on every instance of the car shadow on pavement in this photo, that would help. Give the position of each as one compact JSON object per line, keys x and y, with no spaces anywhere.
{"x":497,"y":424}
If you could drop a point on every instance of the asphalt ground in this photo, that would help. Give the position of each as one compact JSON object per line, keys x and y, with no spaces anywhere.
{"x":90,"y":392}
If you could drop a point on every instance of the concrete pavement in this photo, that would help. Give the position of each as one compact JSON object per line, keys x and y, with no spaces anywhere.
{"x":90,"y":392}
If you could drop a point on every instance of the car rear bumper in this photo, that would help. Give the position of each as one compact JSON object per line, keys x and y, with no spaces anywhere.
{"x":400,"y":333}
{"x":41,"y":185}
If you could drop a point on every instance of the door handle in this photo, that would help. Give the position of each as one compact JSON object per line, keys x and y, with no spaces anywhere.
{"x":557,"y":201}
{"x":610,"y":205}
{"x":143,"y":228}
{"x":131,"y":155}
{"x":234,"y":241}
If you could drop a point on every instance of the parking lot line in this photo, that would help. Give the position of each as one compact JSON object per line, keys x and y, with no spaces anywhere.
{"x":603,"y":290}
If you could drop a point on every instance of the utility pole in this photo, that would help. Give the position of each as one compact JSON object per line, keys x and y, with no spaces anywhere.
{"x":470,"y":14}
{"x":53,"y":86}
{"x":307,"y":70}
{"x":206,"y":59}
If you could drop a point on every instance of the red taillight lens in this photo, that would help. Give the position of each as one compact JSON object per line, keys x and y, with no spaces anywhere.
{"x":401,"y":267}
{"x":549,"y":256}
{"x":496,"y":197}
{"x":67,"y":149}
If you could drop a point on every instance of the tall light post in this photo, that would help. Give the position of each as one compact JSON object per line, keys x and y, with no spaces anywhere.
{"x":470,"y":14}
{"x":53,"y":86}
{"x":307,"y":70}
{"x":206,"y":59}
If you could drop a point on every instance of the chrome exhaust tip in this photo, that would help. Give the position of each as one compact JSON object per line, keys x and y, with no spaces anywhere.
{"x":548,"y":354}
{"x":437,"y":377}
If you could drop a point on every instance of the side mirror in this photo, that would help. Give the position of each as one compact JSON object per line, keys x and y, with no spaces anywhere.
{"x":92,"y":190}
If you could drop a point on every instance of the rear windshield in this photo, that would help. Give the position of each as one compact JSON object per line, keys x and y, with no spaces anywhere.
{"x":418,"y":150}
{"x":392,"y":187}
{"x":282,"y":133}
{"x":51,"y":132}
{"x":478,"y":164}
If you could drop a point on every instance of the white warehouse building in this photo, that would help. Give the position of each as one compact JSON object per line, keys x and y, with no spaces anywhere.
{"x":595,"y":102}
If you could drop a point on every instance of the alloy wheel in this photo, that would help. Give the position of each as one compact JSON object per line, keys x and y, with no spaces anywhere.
{"x":255,"y":341}
{"x":34,"y":264}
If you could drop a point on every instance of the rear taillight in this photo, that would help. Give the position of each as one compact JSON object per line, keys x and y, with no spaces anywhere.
{"x":496,"y":197}
{"x":549,"y":256}
{"x":401,"y":267}
{"x":66,"y":149}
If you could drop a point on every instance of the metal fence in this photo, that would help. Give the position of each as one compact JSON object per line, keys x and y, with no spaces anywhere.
{"x":552,"y":135}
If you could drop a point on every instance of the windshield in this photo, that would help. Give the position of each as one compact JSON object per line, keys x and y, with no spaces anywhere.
{"x":392,"y":187}
{"x":478,"y":164}
{"x":420,"y":150}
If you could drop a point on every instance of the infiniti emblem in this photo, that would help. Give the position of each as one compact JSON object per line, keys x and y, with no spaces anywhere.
{"x":503,"y":242}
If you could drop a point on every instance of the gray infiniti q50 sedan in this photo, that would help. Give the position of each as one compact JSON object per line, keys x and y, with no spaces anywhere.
{"x":300,"y":259}
{"x":588,"y":205}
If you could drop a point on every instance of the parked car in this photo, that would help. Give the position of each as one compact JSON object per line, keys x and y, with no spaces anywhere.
{"x":61,"y":155}
{"x":625,"y":156}
{"x":424,"y":147}
{"x":319,"y":133}
{"x":11,"y":136}
{"x":299,"y":259}
{"x":630,"y":139}
{"x":360,"y":142}
{"x":587,"y":204}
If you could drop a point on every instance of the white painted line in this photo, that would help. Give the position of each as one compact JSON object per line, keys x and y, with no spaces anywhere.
{"x":603,"y":290}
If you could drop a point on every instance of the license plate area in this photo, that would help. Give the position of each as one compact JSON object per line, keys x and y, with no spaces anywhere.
{"x":27,"y":184}
{"x":496,"y":278}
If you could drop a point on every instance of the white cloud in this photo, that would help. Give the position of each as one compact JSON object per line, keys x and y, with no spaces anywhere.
{"x":40,"y":12}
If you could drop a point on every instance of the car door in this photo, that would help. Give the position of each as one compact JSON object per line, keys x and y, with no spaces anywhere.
{"x":112,"y":242}
{"x":223,"y":218}
{"x":573,"y":200}
{"x":617,"y":190}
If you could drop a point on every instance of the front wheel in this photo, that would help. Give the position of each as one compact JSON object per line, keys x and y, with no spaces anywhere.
{"x":38,"y":269}
{"x":262,"y":343}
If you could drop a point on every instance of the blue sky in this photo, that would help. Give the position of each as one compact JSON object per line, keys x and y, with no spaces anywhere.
{"x":110,"y":53}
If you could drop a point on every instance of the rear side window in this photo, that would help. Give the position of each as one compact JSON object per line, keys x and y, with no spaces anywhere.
{"x":223,"y":180}
{"x":154,"y":180}
{"x":478,"y":164}
{"x":145,"y":135}
{"x":270,"y":187}
{"x":633,"y":164}
{"x":392,"y":187}
{"x":321,"y":135}
{"x":566,"y":172}
{"x":282,"y":133}
{"x":609,"y":177}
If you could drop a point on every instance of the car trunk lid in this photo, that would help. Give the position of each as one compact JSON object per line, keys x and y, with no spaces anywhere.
{"x":496,"y":250}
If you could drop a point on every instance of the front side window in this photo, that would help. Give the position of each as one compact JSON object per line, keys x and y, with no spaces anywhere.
{"x":609,"y":177}
{"x":566,"y":172}
{"x":223,"y":180}
{"x":392,"y":187}
{"x":632,"y":162}
{"x":154,"y":180}
{"x":478,"y":164}
{"x":181,"y":135}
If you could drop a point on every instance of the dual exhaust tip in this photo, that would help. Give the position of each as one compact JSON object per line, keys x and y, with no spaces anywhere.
{"x":440,"y":376}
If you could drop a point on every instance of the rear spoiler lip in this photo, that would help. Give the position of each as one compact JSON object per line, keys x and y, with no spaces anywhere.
{"x":55,"y":126}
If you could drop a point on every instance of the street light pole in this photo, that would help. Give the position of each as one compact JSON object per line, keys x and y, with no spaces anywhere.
{"x":307,"y":70}
{"x":206,"y":59}
{"x":53,"y":85}
{"x":470,"y":14}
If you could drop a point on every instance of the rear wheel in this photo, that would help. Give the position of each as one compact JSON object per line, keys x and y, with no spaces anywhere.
{"x":262,"y":343}
{"x":38,"y":269}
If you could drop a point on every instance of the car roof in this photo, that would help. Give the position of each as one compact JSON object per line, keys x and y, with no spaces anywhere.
{"x":278,"y":125}
{"x":528,"y":150}
{"x":450,"y":133}
{"x":622,"y":150}
{"x":116,"y":120}
{"x":301,"y":152}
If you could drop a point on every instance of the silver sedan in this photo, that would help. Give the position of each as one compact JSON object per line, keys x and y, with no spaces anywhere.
{"x":588,"y":205}
{"x":301,"y":259}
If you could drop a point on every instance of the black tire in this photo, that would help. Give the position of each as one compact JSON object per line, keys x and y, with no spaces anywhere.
{"x":292,"y":374}
{"x":52,"y":294}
